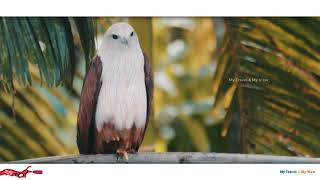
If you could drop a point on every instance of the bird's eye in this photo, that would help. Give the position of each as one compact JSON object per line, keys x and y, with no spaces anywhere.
{"x":131,"y":34}
{"x":114,"y":36}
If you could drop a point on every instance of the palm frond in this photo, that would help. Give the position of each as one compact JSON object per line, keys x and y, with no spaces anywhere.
{"x":87,"y":36}
{"x":47,"y":43}
{"x":274,"y":64}
{"x":36,"y":121}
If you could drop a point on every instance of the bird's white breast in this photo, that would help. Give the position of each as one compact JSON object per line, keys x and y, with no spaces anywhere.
{"x":122,"y":99}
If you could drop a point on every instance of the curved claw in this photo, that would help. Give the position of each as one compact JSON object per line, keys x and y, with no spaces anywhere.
{"x":124,"y":154}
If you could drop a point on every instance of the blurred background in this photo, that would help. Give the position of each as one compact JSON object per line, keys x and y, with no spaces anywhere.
{"x":242,"y":85}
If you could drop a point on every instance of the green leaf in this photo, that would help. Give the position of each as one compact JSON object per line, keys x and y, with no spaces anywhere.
{"x":36,"y":128}
{"x":280,"y":106}
{"x":45,"y":42}
{"x":87,"y":29}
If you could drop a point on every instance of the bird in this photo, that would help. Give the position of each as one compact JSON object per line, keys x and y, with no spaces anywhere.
{"x":116,"y":96}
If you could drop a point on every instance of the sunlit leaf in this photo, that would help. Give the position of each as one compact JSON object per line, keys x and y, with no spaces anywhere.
{"x":275,"y":62}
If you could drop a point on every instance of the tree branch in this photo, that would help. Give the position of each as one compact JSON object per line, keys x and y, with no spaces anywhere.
{"x":173,"y":158}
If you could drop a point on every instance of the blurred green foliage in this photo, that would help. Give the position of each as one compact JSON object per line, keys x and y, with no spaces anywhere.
{"x":183,"y":70}
{"x":268,"y":81}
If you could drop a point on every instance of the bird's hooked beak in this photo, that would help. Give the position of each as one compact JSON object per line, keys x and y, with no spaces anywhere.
{"x":124,"y":41}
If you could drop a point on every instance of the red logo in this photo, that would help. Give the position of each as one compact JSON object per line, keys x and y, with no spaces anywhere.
{"x":19,"y":174}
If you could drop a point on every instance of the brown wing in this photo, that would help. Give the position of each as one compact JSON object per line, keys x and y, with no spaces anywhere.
{"x":88,"y":101}
{"x":149,"y":89}
{"x":149,"y":84}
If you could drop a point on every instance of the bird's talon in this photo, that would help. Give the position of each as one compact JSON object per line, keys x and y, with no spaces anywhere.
{"x":124,"y":155}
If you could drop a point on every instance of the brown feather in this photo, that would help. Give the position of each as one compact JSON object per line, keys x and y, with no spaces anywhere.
{"x":109,"y":139}
{"x":88,"y":101}
{"x":149,"y":88}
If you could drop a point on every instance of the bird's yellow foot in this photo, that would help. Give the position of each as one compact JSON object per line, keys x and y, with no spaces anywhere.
{"x":124,"y":154}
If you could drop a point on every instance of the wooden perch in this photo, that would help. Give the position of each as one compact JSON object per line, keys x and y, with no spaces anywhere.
{"x":173,"y":158}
